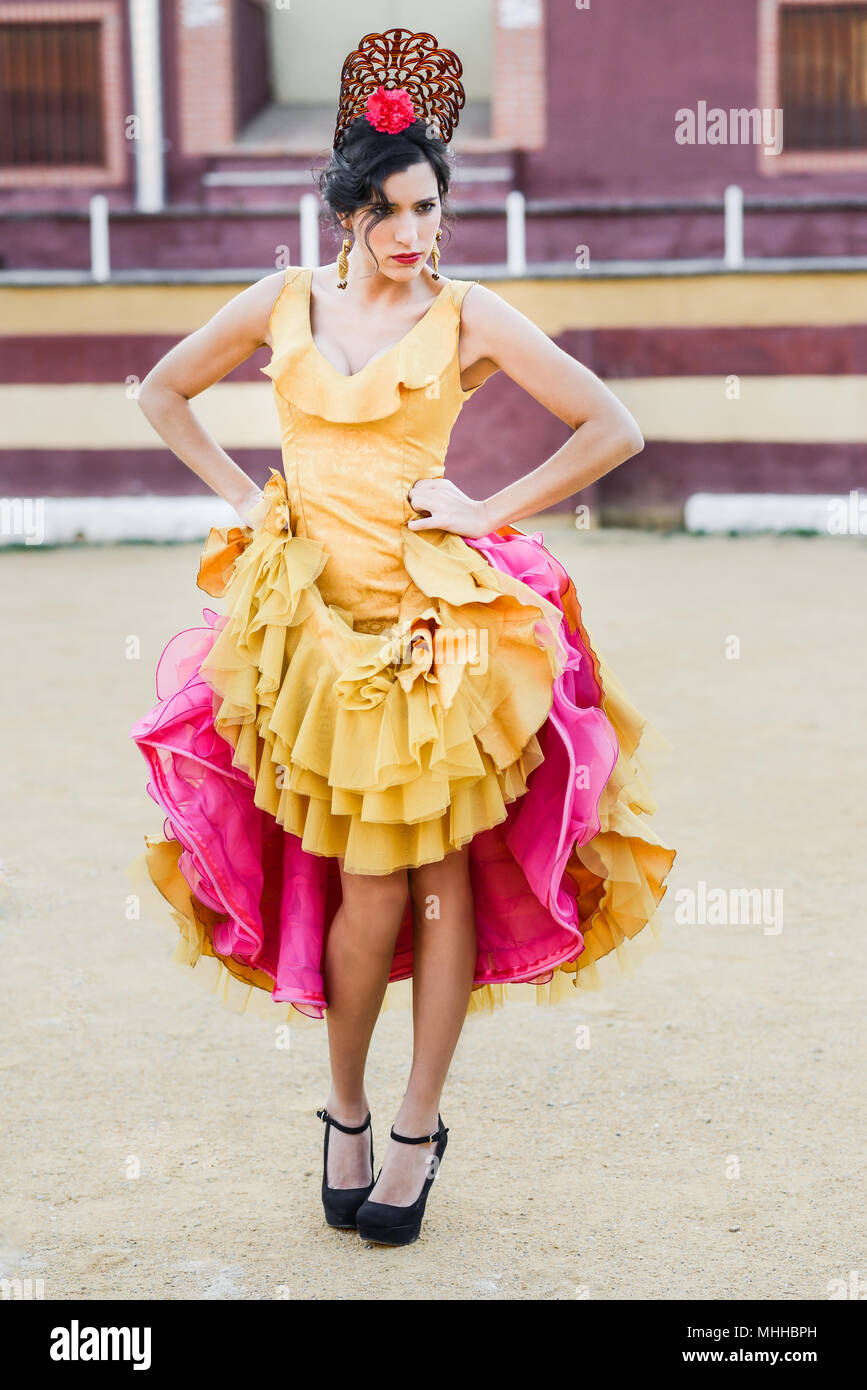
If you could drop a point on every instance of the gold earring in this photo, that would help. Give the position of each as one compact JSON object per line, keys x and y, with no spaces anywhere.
{"x":343,"y":263}
{"x":435,"y":256}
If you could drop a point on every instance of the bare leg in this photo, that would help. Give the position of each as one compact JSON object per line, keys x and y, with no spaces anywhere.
{"x":358,"y":956}
{"x":444,"y":957}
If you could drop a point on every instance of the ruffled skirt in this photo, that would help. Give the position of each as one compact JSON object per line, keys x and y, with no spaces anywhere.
{"x":283,"y":738}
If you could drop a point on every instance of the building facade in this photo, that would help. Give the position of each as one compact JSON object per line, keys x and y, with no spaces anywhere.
{"x":741,"y":351}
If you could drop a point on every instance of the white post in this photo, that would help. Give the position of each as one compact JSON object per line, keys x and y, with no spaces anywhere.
{"x":100,"y":265}
{"x":309,"y":216}
{"x":516,"y":233}
{"x":734,"y":226}
{"x":147,"y":131}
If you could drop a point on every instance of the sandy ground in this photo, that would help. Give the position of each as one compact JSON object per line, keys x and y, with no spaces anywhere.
{"x":702,"y":1146}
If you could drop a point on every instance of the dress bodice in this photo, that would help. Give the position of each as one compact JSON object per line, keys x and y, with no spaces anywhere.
{"x":353,"y":446}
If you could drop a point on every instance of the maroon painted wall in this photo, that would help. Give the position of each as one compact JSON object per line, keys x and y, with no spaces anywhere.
{"x":617,"y":73}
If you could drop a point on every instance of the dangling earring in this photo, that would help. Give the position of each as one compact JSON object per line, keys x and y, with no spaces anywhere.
{"x":435,"y":255}
{"x":343,"y":263}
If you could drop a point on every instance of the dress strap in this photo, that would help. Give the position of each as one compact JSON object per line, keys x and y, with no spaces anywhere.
{"x":458,"y":290}
{"x":290,"y":274}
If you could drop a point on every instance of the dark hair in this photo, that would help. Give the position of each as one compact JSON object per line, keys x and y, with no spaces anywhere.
{"x":366,"y":157}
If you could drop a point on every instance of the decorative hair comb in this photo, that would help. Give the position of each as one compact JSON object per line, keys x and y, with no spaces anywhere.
{"x":399,"y":77}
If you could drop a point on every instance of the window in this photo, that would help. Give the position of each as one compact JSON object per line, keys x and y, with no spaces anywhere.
{"x":51,"y":95}
{"x":823,"y":76}
{"x":63,"y":101}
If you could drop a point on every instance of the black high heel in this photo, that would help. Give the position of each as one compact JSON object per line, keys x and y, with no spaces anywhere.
{"x":391,"y":1225}
{"x":342,"y":1203}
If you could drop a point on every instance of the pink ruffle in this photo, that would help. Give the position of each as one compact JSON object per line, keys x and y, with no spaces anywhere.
{"x":277,"y":900}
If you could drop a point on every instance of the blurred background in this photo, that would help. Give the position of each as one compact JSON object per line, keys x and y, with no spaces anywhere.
{"x":626,"y":177}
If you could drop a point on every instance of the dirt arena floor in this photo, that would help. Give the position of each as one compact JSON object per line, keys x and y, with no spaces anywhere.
{"x":704,"y":1145}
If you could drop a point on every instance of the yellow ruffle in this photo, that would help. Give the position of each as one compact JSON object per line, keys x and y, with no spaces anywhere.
{"x":306,"y":379}
{"x":386,"y":749}
{"x":619,"y":877}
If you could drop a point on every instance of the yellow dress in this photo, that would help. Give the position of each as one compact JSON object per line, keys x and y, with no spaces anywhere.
{"x":384,"y":696}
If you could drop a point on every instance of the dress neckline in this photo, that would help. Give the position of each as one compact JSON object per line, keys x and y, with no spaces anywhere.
{"x":380,"y":356}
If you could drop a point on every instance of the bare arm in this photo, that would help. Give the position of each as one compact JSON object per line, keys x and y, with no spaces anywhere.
{"x":496,"y":335}
{"x":199,"y":360}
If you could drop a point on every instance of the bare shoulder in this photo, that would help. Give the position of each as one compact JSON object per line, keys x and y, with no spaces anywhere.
{"x":259,"y":302}
{"x":247,"y":314}
{"x":488,"y":321}
{"x":501,"y":337}
{"x":238,"y":329}
{"x":483,"y":308}
{"x":498,"y":336}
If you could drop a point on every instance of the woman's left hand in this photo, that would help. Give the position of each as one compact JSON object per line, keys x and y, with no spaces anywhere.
{"x":449,"y":509}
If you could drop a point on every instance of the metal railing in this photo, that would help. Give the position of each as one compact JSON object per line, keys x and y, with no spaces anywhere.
{"x":515,"y":209}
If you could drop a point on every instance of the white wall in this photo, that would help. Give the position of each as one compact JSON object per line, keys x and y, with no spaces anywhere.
{"x":309,"y":40}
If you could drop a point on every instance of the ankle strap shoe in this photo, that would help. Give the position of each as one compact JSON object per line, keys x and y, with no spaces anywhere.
{"x":385,"y":1224}
{"x":341,"y":1203}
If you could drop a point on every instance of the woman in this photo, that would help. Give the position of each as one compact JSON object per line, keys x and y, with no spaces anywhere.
{"x":343,"y":755}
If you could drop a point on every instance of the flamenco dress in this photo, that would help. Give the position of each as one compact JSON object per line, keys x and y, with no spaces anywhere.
{"x":385,"y":696}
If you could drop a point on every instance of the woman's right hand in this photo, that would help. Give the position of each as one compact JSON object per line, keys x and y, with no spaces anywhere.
{"x":252,"y":511}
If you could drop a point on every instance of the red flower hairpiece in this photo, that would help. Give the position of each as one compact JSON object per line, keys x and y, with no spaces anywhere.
{"x":390,"y":109}
{"x":430,"y":90}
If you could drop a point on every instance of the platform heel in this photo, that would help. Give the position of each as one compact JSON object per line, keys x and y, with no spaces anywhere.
{"x":341,"y":1203}
{"x":390,"y":1225}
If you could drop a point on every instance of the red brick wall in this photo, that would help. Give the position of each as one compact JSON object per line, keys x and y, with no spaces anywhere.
{"x":205,"y":80}
{"x":518,"y":106}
